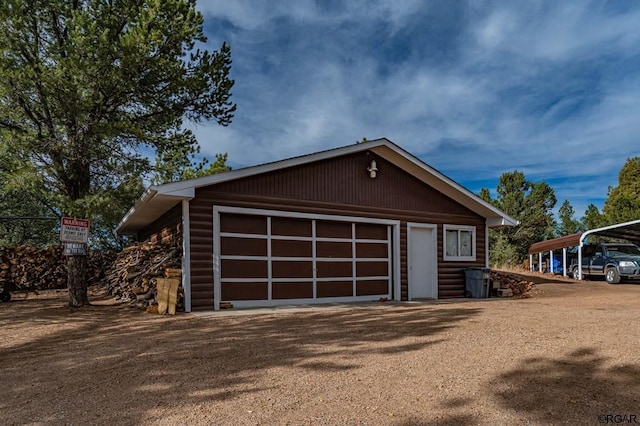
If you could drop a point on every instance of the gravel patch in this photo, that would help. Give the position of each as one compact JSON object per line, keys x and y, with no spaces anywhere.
{"x":568,"y":355}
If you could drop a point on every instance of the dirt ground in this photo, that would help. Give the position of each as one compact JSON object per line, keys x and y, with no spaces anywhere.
{"x":568,"y":355}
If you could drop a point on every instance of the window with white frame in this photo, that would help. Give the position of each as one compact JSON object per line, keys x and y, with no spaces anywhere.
{"x":459,"y":242}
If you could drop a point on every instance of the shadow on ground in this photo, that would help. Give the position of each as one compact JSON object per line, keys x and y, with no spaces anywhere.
{"x":116,"y":363}
{"x":579,"y":388}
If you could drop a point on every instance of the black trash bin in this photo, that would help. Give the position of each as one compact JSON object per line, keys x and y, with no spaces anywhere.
{"x":477,"y":282}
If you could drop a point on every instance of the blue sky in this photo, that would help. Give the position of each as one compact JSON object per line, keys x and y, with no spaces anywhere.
{"x":474,"y":89}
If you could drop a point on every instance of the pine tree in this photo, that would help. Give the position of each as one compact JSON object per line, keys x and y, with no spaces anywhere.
{"x":89,"y":88}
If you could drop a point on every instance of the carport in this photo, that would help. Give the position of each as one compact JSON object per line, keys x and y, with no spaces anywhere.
{"x":629,"y":231}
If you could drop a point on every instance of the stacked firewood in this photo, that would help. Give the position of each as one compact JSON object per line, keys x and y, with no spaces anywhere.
{"x":518,"y":285}
{"x":132,"y":276}
{"x":33,"y":268}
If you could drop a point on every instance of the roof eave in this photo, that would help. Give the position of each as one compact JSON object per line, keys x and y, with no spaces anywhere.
{"x":152,"y":205}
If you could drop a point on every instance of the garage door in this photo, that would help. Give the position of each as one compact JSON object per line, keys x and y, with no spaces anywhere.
{"x":267,"y":258}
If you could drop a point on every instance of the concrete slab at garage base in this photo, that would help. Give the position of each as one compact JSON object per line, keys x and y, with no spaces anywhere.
{"x":293,"y":309}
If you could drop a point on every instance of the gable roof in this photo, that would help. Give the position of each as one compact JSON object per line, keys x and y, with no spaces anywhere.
{"x":158,"y":199}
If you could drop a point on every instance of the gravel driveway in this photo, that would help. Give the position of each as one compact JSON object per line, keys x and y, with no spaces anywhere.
{"x":568,"y":355}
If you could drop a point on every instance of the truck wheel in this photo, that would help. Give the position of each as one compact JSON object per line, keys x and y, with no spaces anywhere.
{"x":5,"y":296}
{"x":574,"y":273}
{"x":612,"y":276}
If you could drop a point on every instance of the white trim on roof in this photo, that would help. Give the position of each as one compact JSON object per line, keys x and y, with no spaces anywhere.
{"x":606,"y":228}
{"x":185,"y":190}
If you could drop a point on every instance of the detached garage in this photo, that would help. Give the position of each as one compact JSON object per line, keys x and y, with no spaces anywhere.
{"x":362,"y":222}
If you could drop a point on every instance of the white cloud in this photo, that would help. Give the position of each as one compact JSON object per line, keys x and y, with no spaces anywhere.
{"x":557,"y":31}
{"x":550,"y":89}
{"x":251,"y":15}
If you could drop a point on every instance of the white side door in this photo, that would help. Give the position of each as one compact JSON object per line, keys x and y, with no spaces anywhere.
{"x":422,"y":261}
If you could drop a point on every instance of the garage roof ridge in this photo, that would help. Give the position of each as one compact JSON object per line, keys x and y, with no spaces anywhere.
{"x":174,"y":192}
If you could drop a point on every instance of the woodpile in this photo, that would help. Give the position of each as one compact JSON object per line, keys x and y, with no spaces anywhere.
{"x":518,"y":285}
{"x":134,"y":275}
{"x":33,"y":268}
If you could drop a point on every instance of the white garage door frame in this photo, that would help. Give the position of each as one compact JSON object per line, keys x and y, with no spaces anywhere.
{"x":217,"y":282}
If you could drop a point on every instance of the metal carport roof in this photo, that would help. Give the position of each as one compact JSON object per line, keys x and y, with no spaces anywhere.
{"x":629,"y":231}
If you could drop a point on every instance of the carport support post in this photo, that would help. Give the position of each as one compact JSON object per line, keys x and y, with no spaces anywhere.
{"x":580,"y":260}
{"x":564,"y":261}
{"x":540,"y":262}
{"x":550,"y":266}
{"x":530,"y":262}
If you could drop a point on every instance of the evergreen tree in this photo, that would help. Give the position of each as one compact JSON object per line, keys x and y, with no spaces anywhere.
{"x":623,"y":201}
{"x":89,"y":88}
{"x":592,"y":218}
{"x":568,"y":224}
{"x":529,"y":202}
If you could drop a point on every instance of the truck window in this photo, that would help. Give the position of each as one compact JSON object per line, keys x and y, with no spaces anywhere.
{"x":626,"y":249}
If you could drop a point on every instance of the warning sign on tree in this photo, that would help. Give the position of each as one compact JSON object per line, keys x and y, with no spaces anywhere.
{"x":74,"y":230}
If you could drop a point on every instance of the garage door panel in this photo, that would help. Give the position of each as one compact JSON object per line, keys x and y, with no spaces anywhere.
{"x":325,"y":229}
{"x":291,"y":248}
{"x":372,"y":250}
{"x":244,"y":268}
{"x":245,"y":291}
{"x":233,"y":246}
{"x":371,"y":288}
{"x":243,"y":224}
{"x":292,"y":269}
{"x":371,"y":231}
{"x":334,"y":269}
{"x":335,"y":288}
{"x":291,"y":227}
{"x":372,"y":269}
{"x":334,"y":249}
{"x":292,"y":290}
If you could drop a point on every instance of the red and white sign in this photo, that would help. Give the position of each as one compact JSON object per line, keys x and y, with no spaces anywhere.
{"x":74,"y":230}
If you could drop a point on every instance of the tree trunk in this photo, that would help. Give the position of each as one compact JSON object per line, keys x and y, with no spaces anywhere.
{"x":76,"y":281}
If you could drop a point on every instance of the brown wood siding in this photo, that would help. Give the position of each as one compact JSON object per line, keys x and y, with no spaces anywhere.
{"x":166,"y":229}
{"x":320,"y":188}
{"x":404,"y":270}
{"x":345,"y":181}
